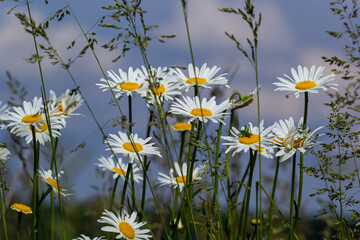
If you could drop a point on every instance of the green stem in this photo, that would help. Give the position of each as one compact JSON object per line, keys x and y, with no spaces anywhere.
{"x":113,"y":192}
{"x":34,"y":230}
{"x":19,"y":225}
{"x":143,"y":197}
{"x":3,"y":219}
{"x":125,"y":186}
{"x":230,"y":206}
{"x":301,"y":164}
{"x":281,"y":215}
{"x":292,"y":196}
{"x":271,"y":208}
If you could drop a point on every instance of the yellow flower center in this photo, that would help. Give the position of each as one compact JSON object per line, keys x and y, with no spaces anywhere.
{"x":305,"y":85}
{"x":40,"y":127}
{"x":129,"y":86}
{"x":119,"y":171}
{"x":182,"y":126}
{"x":159,"y":90}
{"x":60,"y":111}
{"x":254,"y":138}
{"x":21,"y":208}
{"x":53,"y":183}
{"x":127,"y":230}
{"x":32,"y":118}
{"x":182,"y":179}
{"x":129,"y":147}
{"x":193,"y":81}
{"x":201,"y":112}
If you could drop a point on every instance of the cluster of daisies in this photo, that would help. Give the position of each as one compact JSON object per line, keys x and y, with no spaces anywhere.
{"x":158,"y":86}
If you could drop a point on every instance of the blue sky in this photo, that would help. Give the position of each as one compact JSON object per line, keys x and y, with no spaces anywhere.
{"x":292,"y":33}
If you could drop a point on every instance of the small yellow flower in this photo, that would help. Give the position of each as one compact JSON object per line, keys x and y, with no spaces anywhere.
{"x":182,"y":126}
{"x":21,"y":208}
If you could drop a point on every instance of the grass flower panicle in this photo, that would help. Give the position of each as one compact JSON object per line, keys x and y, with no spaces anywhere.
{"x":21,"y":208}
{"x":118,"y":168}
{"x":247,"y":138}
{"x":205,"y":77}
{"x":121,"y":144}
{"x":124,"y":225}
{"x":129,"y":83}
{"x":207,"y":110}
{"x":304,"y":80}
{"x":47,"y":177}
{"x":177,"y":178}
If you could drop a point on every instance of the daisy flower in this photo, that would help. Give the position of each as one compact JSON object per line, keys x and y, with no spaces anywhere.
{"x":83,"y":237}
{"x":119,"y":168}
{"x":190,"y":107}
{"x":248,"y":138}
{"x":129,"y":83}
{"x":124,"y":225}
{"x":205,"y":77}
{"x":289,"y":138}
{"x":122,"y":144}
{"x":178,"y":180}
{"x":181,"y":126}
{"x":306,"y":81}
{"x":46,"y":177}
{"x":4,"y":153}
{"x":67,"y":103}
{"x":31,"y":115}
{"x":163,"y":88}
{"x":21,"y":208}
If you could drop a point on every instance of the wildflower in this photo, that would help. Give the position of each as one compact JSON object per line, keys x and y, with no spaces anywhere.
{"x":182,"y":126}
{"x":191,"y":107}
{"x":205,"y":77}
{"x":289,"y":138}
{"x":129,"y":83}
{"x":122,"y":144}
{"x":46,"y":177}
{"x":248,"y":138}
{"x":125,"y":225}
{"x":83,"y":237}
{"x":4,"y":153}
{"x":179,"y":180}
{"x":162,"y":85}
{"x":67,"y":103}
{"x":119,"y":168}
{"x":22,"y":120}
{"x":21,"y":208}
{"x":305,"y":81}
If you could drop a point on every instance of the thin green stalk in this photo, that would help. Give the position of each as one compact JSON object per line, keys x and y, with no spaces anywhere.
{"x":131,"y":169}
{"x":301,"y":164}
{"x":19,"y":225}
{"x":269,"y":227}
{"x":248,"y":190}
{"x":216,"y":172}
{"x":281,"y":215}
{"x":125,"y":186}
{"x":143,"y":197}
{"x":3,"y":219}
{"x":230,"y":206}
{"x":292,"y":196}
{"x":34,"y":230}
{"x":113,"y":193}
{"x":52,"y":216}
